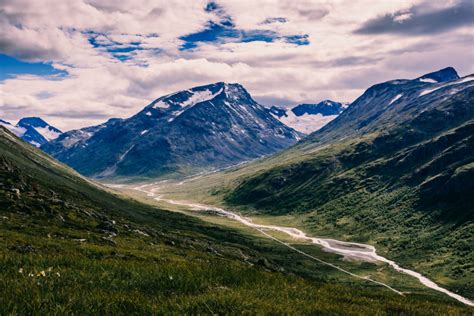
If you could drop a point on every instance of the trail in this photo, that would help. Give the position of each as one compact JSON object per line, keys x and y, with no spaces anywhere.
{"x":349,"y":250}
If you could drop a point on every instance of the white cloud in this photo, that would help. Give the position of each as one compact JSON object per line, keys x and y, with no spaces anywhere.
{"x":337,"y":64}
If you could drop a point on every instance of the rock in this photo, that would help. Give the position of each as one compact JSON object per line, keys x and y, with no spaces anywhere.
{"x":107,"y":226}
{"x":212,"y":250}
{"x":109,"y":239}
{"x":170,"y":243}
{"x":139,"y":232}
{"x":16,"y":192}
{"x":24,"y":248}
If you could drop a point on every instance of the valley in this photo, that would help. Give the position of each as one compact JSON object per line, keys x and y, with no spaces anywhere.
{"x":222,"y":157}
{"x":350,"y":251}
{"x":70,"y":245}
{"x":375,"y":204}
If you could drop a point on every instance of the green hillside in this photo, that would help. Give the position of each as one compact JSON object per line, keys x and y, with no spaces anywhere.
{"x":68,"y":246}
{"x":407,"y":187}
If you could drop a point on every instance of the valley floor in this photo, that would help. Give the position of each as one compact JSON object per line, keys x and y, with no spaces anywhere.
{"x":378,"y":270}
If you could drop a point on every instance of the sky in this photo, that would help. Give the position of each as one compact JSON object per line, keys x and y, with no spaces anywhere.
{"x":78,"y":63}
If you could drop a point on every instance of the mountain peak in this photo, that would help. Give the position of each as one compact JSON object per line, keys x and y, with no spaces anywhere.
{"x":35,"y":130}
{"x":326,"y":107}
{"x":442,"y":75}
{"x":186,"y":99}
{"x":32,"y":121}
{"x":196,"y":129}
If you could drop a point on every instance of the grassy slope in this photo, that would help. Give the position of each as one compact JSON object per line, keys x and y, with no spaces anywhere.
{"x":408,"y":189}
{"x":59,"y":255}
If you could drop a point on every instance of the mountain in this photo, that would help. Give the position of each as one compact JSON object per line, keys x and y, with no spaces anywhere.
{"x":33,"y":130}
{"x":391,"y":103}
{"x":72,"y":246}
{"x":204,"y":127}
{"x":395,"y":169}
{"x":307,"y":118}
{"x":443,"y":75}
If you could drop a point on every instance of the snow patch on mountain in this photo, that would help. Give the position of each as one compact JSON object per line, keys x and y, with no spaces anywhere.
{"x":451,"y":83}
{"x":306,"y":123}
{"x":428,"y":80}
{"x":200,"y":96}
{"x":18,"y":131}
{"x":308,"y":118}
{"x":48,"y":133}
{"x":398,"y":96}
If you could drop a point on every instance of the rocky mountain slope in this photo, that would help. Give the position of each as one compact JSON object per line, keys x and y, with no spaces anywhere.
{"x":396,"y":169}
{"x":34,"y":130}
{"x":388,"y":104}
{"x":202,"y":128}
{"x":307,"y":118}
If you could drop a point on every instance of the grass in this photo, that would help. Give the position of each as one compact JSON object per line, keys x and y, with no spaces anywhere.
{"x":53,"y":274}
{"x":68,"y":246}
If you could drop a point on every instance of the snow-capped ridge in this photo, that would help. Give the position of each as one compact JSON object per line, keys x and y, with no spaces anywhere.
{"x":204,"y":127}
{"x":307,"y":118}
{"x":447,"y":84}
{"x":33,"y":130}
{"x":442,"y":75}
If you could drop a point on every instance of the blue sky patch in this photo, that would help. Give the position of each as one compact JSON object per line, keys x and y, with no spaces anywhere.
{"x":220,"y":33}
{"x":297,"y":39}
{"x":226,"y":31}
{"x":11,"y":67}
{"x":120,"y":51}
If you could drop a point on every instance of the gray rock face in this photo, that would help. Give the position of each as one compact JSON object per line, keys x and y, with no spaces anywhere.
{"x":205,"y":127}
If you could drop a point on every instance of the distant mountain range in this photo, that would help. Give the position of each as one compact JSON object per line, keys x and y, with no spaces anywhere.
{"x":307,"y":118}
{"x":34,"y":130}
{"x":204,"y":127}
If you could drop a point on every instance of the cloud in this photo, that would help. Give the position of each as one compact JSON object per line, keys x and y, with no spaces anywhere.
{"x":274,"y":20}
{"x":422,"y":20}
{"x":115,"y":57}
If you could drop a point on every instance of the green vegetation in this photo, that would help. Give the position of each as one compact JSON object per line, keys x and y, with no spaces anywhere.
{"x":68,"y":246}
{"x":407,"y":189}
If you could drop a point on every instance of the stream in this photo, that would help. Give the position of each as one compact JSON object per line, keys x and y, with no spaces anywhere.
{"x":349,"y":250}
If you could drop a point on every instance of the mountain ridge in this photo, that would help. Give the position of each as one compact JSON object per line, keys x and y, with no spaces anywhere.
{"x":204,"y":127}
{"x":309,"y":117}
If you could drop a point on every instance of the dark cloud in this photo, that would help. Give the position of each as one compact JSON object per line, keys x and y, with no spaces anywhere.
{"x":73,"y":114}
{"x":313,"y":14}
{"x":269,"y":101}
{"x":464,"y":41}
{"x":14,"y":107}
{"x":274,"y":20}
{"x":353,"y":61}
{"x":420,"y":20}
